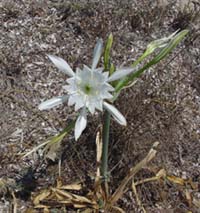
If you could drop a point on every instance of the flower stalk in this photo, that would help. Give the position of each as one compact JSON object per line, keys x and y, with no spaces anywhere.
{"x":106,"y":116}
{"x":105,"y":138}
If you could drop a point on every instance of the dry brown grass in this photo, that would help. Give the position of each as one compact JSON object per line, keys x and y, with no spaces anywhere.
{"x":162,"y":106}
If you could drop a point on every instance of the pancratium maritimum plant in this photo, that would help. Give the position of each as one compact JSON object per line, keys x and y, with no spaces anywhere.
{"x":93,"y":88}
{"x":88,"y":89}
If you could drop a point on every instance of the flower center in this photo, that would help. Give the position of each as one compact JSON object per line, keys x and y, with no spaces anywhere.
{"x":87,"y":89}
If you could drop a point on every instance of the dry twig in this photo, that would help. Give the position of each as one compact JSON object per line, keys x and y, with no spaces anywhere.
{"x":120,"y":190}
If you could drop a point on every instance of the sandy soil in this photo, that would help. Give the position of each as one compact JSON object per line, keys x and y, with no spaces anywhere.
{"x":162,"y":106}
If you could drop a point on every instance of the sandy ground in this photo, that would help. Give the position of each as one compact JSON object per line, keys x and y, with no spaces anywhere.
{"x":162,"y":106}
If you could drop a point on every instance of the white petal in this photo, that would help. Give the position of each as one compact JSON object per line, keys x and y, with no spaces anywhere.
{"x":71,"y":80}
{"x":99,"y":105}
{"x":115,"y":113}
{"x":53,"y":102}
{"x":91,"y":107}
{"x":120,"y":73}
{"x":71,"y":100}
{"x":86,"y":68}
{"x":97,"y":53}
{"x":106,"y":95}
{"x":108,"y":87}
{"x":79,"y":103}
{"x":81,"y":123}
{"x":66,"y":87}
{"x":99,"y":69}
{"x":62,"y":65}
{"x":106,"y":74}
{"x":78,"y":71}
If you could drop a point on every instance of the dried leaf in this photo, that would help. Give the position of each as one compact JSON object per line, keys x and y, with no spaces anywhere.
{"x":59,"y":197}
{"x":196,"y":203}
{"x":161,"y":173}
{"x":59,"y":182}
{"x":193,"y":184}
{"x":30,"y":210}
{"x":87,"y":211}
{"x":82,"y":199}
{"x":75,"y":186}
{"x":176,"y":180}
{"x":36,"y":148}
{"x":40,"y":206}
{"x":66,"y":202}
{"x":117,"y":209}
{"x":79,"y":206}
{"x":53,"y":140}
{"x":51,"y":150}
{"x":43,"y":195}
{"x":188,"y":197}
{"x":99,"y":145}
{"x":46,"y":210}
{"x":6,"y":185}
{"x":14,"y":202}
{"x":137,"y":196}
{"x":3,"y":186}
{"x":65,"y":194}
{"x":120,"y":190}
{"x":97,"y":185}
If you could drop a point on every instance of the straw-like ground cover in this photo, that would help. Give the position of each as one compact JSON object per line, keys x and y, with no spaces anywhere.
{"x":162,"y":106}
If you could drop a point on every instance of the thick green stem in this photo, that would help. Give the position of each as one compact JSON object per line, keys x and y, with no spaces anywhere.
{"x":105,"y":137}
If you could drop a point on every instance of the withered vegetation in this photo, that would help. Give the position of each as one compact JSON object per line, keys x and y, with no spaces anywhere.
{"x":163,"y":105}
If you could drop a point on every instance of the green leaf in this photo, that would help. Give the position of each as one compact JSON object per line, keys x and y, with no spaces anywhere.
{"x":55,"y":139}
{"x":112,"y":69}
{"x":172,"y":44}
{"x":107,"y":52}
{"x":154,"y":45}
{"x":162,"y":54}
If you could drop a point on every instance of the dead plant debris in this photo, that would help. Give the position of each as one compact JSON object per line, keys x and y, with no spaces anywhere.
{"x":163,"y":105}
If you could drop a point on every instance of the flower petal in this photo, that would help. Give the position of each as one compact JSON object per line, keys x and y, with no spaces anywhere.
{"x":62,"y":65}
{"x":79,"y":103}
{"x":81,"y":123}
{"x":99,"y":105}
{"x":86,"y":68}
{"x":91,"y":106}
{"x":99,"y":69}
{"x":115,"y":113}
{"x":97,"y":53}
{"x":108,"y":87}
{"x":120,"y":73}
{"x":106,"y":95}
{"x":53,"y":102}
{"x":71,"y":100}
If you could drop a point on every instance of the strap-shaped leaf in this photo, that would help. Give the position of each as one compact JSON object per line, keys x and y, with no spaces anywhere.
{"x":107,"y":52}
{"x":55,"y":139}
{"x":162,"y":54}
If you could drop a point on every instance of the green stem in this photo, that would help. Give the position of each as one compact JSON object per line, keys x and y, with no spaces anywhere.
{"x":106,"y":131}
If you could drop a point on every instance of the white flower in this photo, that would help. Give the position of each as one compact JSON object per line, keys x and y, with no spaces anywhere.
{"x":87,"y":89}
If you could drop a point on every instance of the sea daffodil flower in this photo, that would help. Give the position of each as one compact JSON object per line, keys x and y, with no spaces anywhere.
{"x":88,"y":89}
